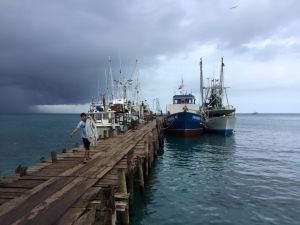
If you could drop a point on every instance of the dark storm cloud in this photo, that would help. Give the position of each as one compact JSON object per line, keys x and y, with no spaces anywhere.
{"x":53,"y":52}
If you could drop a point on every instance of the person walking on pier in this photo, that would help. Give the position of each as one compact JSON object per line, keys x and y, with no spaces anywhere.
{"x":86,"y":142}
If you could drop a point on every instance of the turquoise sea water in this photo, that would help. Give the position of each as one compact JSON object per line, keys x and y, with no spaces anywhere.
{"x":24,"y":139}
{"x":252,"y":177}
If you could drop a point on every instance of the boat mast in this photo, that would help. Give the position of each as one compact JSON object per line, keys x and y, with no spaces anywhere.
{"x":111,"y":79}
{"x":222,"y":78}
{"x":201,"y":83}
{"x":135,"y":82}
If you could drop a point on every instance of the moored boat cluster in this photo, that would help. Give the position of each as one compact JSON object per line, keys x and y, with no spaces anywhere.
{"x":212,"y":115}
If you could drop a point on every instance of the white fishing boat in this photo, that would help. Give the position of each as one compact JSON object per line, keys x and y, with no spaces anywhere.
{"x":118,"y":106}
{"x":105,"y":120}
{"x":220,"y":116}
{"x":126,"y":101}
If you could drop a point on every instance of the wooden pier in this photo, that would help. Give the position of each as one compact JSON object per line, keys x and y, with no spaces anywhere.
{"x":65,"y":191}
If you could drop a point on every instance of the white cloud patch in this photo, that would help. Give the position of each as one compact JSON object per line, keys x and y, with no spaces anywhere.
{"x":274,"y":42}
{"x":61,"y":108}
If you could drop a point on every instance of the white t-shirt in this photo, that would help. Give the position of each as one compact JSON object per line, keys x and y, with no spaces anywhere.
{"x":81,"y":126}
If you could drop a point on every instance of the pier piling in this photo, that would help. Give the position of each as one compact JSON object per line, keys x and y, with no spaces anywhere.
{"x":53,"y":156}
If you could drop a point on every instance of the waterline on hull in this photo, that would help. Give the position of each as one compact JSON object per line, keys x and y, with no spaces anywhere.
{"x":185,"y":132}
{"x":221,"y":125}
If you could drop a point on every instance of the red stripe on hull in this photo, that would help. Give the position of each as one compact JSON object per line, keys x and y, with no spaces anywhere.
{"x":194,"y":132}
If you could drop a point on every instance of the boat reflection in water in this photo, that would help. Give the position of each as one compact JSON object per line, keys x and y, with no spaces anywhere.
{"x":205,"y":151}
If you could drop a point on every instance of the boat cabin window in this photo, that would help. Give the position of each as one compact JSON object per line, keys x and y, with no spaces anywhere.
{"x":183,"y":100}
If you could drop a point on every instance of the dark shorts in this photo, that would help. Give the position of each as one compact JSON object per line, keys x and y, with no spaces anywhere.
{"x":86,"y":143}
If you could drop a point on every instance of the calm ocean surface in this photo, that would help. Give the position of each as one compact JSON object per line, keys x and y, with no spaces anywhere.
{"x":252,"y":177}
{"x":24,"y":139}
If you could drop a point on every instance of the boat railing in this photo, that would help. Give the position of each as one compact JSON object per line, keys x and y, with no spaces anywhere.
{"x":228,"y":107}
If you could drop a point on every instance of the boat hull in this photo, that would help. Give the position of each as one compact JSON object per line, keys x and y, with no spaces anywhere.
{"x":185,"y":124}
{"x":221,"y":125}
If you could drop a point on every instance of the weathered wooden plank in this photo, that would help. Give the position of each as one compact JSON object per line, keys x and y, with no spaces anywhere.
{"x":34,"y":177}
{"x":15,"y":190}
{"x":50,"y":172}
{"x":111,"y":178}
{"x":87,"y":217}
{"x":70,"y":216}
{"x":28,"y":184}
{"x":9,"y":195}
{"x":3,"y":200}
{"x":51,"y":209}
{"x":90,"y":195}
{"x":107,"y":183}
{"x":20,"y":210}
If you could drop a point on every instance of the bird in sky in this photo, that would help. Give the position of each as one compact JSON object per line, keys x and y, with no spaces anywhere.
{"x":234,"y":7}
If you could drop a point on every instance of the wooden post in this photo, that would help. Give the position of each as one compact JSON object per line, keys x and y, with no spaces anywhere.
{"x":111,"y":133}
{"x":141,"y":173}
{"x":146,"y":159}
{"x":155,"y":141}
{"x":123,"y":189}
{"x":125,"y":216}
{"x":130,"y":178}
{"x":21,"y":170}
{"x":157,"y":125}
{"x":105,"y":207}
{"x":53,"y":157}
{"x":151,"y":151}
{"x":154,"y":148}
{"x":122,"y":177}
{"x":105,"y":134}
{"x":157,"y":144}
{"x":130,"y":187}
{"x":114,"y":217}
{"x":159,"y":134}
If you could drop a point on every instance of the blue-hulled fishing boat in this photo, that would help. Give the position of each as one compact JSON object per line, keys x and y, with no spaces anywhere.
{"x":183,"y":117}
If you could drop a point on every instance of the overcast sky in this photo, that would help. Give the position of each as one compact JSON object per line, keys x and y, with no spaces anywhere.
{"x":52,"y":53}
